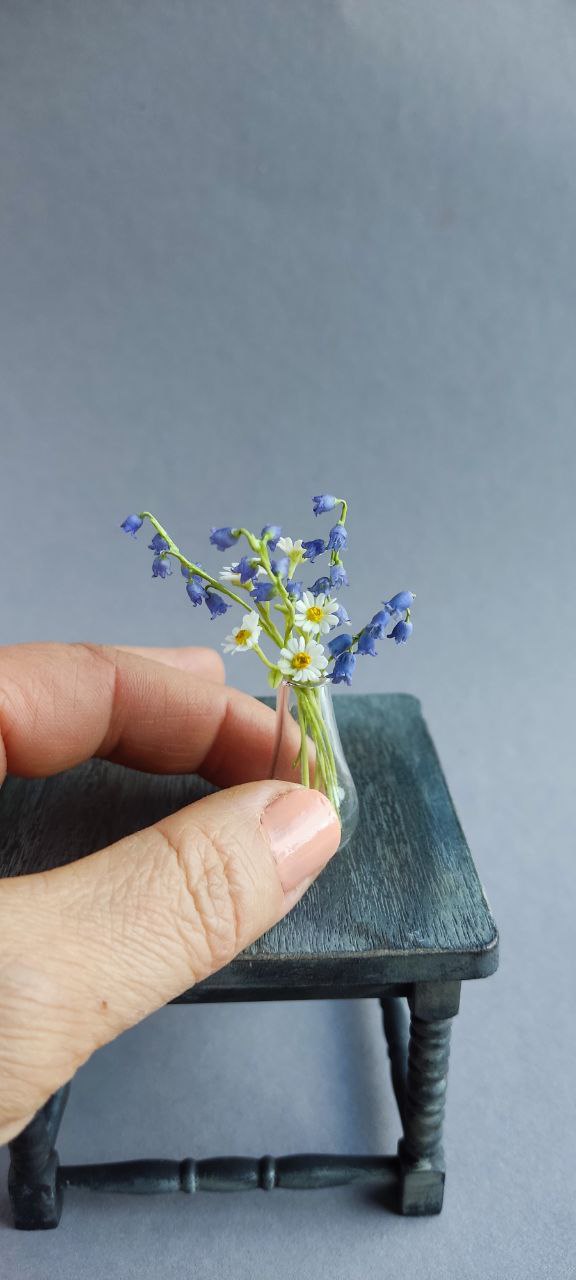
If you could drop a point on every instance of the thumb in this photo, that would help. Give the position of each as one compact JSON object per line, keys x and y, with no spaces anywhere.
{"x":91,"y":948}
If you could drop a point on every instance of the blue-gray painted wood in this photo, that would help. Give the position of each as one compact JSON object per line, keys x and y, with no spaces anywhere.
{"x":401,"y":904}
{"x":232,"y":1173}
{"x":412,"y":1182}
{"x":34,"y":1182}
{"x":399,"y":912}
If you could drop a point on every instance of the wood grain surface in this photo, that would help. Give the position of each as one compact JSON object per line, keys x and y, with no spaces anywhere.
{"x":401,"y":904}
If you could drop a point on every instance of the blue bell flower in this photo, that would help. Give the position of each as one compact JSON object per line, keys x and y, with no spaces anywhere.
{"x":320,"y":587}
{"x":216,"y":605}
{"x":158,"y":544}
{"x":196,"y":590}
{"x":262,"y":592}
{"x":338,"y":576}
{"x":344,"y":669}
{"x":313,"y":548}
{"x":132,"y":524}
{"x":161,"y":568}
{"x":274,"y":532}
{"x":280,"y":566}
{"x":401,"y":632}
{"x":223,"y":538}
{"x":379,"y":623}
{"x":339,"y":644}
{"x":323,"y":502}
{"x":244,"y":569}
{"x":338,"y":538}
{"x":403,"y":600}
{"x":366,"y":643}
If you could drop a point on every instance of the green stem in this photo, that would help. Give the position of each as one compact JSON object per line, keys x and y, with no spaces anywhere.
{"x":265,"y":557}
{"x":259,"y":545}
{"x":276,"y":579}
{"x":252,"y":541}
{"x":267,"y":625}
{"x":330,"y":764}
{"x":335,"y":556}
{"x":175,"y":551}
{"x":308,"y":709}
{"x":320,"y":781}
{"x":262,"y":655}
{"x":304,"y":761}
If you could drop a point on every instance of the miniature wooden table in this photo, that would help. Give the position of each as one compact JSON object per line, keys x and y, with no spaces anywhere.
{"x":398,"y":915}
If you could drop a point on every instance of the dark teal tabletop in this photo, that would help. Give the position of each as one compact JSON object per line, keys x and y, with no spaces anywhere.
{"x":401,"y":904}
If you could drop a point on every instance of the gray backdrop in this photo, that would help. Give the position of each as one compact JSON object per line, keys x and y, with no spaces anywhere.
{"x":254,"y":249}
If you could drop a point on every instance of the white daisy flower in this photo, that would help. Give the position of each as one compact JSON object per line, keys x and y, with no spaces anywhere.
{"x":292,"y":549}
{"x":316,"y":615}
{"x":245,"y":636}
{"x":228,"y":574}
{"x":303,"y":659}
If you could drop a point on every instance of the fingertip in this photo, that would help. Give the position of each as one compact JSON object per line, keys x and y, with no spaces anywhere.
{"x":203,"y":662}
{"x":303,"y":832}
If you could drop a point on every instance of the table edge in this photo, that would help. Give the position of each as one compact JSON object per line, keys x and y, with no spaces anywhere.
{"x":364,"y":974}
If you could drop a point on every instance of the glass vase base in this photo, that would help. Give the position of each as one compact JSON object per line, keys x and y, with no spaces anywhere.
{"x":308,"y":749}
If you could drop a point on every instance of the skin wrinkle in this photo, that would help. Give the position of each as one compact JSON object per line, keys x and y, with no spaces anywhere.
{"x":58,"y":991}
{"x":32,"y":709}
{"x":134,"y":895}
{"x":53,"y":1014}
{"x":6,"y":700}
{"x":209,"y":933}
{"x":75,"y":686}
{"x":199,"y":884}
{"x":63,"y":1022}
{"x":235,"y":894}
{"x":101,"y":655}
{"x":116,"y":717}
{"x":35,"y":715}
{"x":45,"y":694}
{"x":213,"y":757}
{"x":90,"y":948}
{"x":112,"y":745}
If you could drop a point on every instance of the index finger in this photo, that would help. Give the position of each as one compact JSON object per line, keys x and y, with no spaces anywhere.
{"x":60,"y":704}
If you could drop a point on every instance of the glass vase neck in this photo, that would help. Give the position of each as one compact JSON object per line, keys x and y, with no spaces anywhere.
{"x":299,"y":685}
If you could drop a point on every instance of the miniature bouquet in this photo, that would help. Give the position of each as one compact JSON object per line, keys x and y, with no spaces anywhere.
{"x":302,"y":627}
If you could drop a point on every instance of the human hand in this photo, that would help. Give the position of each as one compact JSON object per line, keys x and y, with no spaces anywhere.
{"x":91,"y":948}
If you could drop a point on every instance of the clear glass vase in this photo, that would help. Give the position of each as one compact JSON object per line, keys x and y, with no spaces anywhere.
{"x":308,"y":749}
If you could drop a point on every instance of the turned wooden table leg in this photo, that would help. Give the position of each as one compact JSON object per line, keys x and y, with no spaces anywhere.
{"x":422,"y":1169}
{"x":33,"y":1178}
{"x":395,"y":1024}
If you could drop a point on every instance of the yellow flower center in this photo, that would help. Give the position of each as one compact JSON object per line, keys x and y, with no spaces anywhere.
{"x":314,"y":613}
{"x":243,"y":635}
{"x":301,"y":660}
